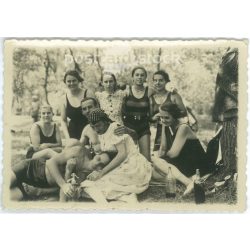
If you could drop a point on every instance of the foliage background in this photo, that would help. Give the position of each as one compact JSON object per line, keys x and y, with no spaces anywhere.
{"x":40,"y":71}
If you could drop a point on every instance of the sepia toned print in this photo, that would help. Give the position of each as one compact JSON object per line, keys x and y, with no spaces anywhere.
{"x":125,"y":125}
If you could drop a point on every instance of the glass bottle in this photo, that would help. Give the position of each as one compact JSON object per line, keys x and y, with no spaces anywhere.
{"x":91,"y":151}
{"x":74,"y":183}
{"x":199,"y":192}
{"x":170,"y":186}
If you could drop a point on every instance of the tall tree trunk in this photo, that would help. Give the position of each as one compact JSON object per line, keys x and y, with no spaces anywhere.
{"x":158,"y":66}
{"x":98,"y":61}
{"x":76,"y":65}
{"x":47,"y":66}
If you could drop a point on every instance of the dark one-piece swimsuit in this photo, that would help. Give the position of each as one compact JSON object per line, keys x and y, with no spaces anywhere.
{"x":135,"y":113}
{"x":191,"y":157}
{"x":77,"y":120}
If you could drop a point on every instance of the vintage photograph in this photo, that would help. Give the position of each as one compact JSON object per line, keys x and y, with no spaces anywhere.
{"x":125,"y":125}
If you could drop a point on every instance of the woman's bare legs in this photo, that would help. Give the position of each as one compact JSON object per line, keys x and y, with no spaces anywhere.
{"x":163,"y":166}
{"x":144,"y":146}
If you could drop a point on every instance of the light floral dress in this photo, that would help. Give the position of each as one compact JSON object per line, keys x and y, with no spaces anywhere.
{"x":133,"y":174}
{"x":112,"y":104}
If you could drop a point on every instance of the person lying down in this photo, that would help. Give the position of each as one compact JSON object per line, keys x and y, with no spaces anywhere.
{"x":54,"y":172}
{"x":101,"y":185}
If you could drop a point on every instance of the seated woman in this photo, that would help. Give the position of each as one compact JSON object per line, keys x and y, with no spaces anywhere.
{"x":164,"y":94}
{"x":127,"y":174}
{"x":44,"y":136}
{"x":186,"y":152}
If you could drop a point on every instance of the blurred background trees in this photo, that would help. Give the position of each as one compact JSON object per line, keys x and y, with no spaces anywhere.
{"x":41,"y":70}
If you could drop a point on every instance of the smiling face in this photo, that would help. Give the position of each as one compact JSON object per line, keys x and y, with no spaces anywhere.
{"x":139,"y":77}
{"x":166,"y":118}
{"x":109,"y":83}
{"x":46,"y":114}
{"x":159,"y":83}
{"x":100,"y":127}
{"x":72,"y":82}
{"x":87,"y":106}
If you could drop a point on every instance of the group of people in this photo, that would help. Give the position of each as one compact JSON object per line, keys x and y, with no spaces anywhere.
{"x":107,"y":136}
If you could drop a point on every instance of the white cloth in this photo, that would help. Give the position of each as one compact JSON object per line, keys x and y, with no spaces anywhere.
{"x":131,"y":176}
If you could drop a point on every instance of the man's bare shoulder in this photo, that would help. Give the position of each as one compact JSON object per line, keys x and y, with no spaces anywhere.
{"x":73,"y":151}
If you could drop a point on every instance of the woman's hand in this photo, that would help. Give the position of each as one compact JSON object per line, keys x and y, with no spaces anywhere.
{"x":95,"y":175}
{"x":120,"y":130}
{"x":68,"y":190}
{"x":155,"y":117}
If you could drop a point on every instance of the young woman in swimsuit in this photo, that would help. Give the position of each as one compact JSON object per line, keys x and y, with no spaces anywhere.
{"x":44,"y":136}
{"x":71,"y":105}
{"x":136,"y":110}
{"x":163,"y":96}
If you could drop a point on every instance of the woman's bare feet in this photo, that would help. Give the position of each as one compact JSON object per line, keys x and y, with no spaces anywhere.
{"x":189,"y":188}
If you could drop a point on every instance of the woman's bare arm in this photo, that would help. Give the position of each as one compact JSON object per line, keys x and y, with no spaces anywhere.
{"x":35,"y":137}
{"x":58,"y":136}
{"x":119,"y":158}
{"x":179,"y":141}
{"x":163,"y":146}
{"x":64,"y":122}
{"x":60,"y":159}
{"x":176,"y":98}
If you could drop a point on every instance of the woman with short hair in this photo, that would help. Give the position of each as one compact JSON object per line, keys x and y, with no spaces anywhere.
{"x":45,"y":136}
{"x":71,"y":105}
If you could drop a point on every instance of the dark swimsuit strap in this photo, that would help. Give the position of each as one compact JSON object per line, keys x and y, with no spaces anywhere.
{"x":145,"y":93}
{"x":84,"y":96}
{"x":41,"y":131}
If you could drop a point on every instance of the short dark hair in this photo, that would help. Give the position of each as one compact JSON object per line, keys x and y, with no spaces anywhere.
{"x":90,"y":98}
{"x":74,"y":73}
{"x":162,"y":73}
{"x":139,"y":67}
{"x":172,"y":109}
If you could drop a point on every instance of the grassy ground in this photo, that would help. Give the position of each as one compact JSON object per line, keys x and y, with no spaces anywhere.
{"x":225,"y":194}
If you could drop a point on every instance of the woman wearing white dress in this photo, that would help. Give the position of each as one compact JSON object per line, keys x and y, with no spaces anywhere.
{"x":127,"y":174}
